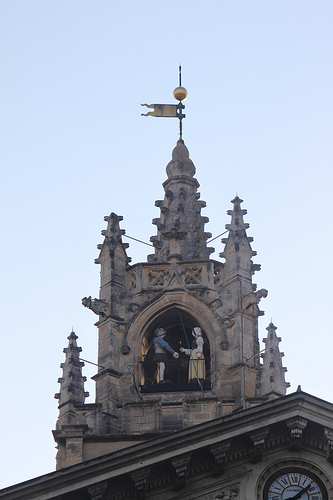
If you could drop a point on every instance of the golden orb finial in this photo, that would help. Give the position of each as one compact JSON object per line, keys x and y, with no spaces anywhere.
{"x":180,"y":93}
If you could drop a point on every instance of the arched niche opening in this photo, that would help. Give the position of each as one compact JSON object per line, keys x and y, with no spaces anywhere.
{"x":180,"y":374}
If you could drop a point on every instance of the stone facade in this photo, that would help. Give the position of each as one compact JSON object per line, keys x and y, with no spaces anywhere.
{"x":178,"y":288}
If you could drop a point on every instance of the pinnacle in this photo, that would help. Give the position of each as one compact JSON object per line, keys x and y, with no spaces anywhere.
{"x":72,"y":381}
{"x":180,"y":227}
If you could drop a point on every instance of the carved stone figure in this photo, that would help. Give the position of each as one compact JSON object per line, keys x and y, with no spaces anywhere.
{"x":196,"y":367}
{"x":99,"y":307}
{"x":254,"y":298}
{"x":161,"y":348}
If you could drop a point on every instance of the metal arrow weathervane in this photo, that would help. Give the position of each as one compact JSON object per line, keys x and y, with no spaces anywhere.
{"x":171,"y":110}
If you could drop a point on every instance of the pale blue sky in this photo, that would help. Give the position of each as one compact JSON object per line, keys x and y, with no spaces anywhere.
{"x":74,"y":148}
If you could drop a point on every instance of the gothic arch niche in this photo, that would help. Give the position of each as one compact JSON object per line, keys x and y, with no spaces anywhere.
{"x":180,"y":374}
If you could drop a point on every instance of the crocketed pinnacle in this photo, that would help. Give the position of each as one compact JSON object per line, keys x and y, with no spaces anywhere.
{"x":72,"y":381}
{"x":273,"y":373}
{"x":238,"y":252}
{"x":113,"y":236}
{"x":180,"y":227}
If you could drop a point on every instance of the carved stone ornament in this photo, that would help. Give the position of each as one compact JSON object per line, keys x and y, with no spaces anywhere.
{"x":224,"y":345}
{"x":254,"y":298}
{"x":329,"y":441}
{"x":220,"y":451}
{"x":180,"y":465}
{"x":99,"y":307}
{"x":97,"y":490}
{"x":229,"y":493}
{"x":125,"y":349}
{"x":139,"y":478}
{"x":133,"y":307}
{"x":296,"y":426}
{"x":258,"y":437}
{"x":215,"y":304}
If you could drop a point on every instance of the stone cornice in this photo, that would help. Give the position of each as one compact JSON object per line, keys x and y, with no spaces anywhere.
{"x":298,"y":405}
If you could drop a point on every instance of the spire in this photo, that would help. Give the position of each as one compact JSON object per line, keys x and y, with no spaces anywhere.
{"x":180,"y":227}
{"x":238,"y":252}
{"x":72,"y":381}
{"x":272,"y":375}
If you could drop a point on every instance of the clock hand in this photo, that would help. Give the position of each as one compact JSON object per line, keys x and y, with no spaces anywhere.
{"x":300,"y":493}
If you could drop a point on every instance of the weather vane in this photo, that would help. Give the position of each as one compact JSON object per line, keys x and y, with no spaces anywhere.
{"x":171,"y":110}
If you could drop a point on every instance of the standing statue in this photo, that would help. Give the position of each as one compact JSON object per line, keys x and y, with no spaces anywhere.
{"x":161,"y":347}
{"x":196,"y":367}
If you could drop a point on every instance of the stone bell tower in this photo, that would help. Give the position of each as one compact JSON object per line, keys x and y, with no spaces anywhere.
{"x":178,"y":289}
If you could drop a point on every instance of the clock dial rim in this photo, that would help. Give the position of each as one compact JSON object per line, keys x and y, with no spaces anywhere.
{"x":299,"y":470}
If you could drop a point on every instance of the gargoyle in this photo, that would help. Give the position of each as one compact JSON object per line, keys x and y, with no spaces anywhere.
{"x":254,"y":298}
{"x":99,"y":307}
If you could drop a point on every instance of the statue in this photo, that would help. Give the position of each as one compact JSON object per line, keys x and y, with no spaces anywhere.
{"x":161,"y":347}
{"x":196,"y":367}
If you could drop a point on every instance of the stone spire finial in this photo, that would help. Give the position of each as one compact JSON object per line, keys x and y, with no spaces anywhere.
{"x":181,"y":164}
{"x":72,"y":381}
{"x":180,"y":227}
{"x":273,"y":373}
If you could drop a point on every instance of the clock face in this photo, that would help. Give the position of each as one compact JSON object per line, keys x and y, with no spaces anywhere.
{"x":295,"y":485}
